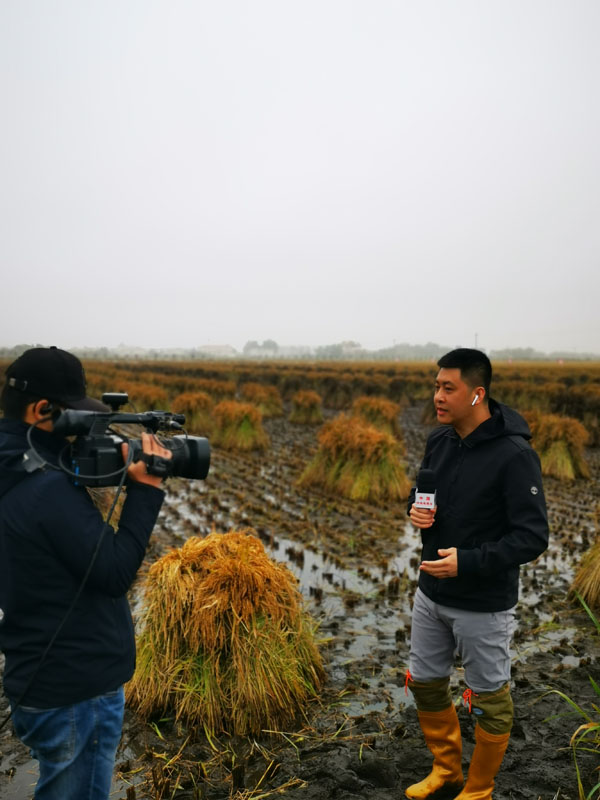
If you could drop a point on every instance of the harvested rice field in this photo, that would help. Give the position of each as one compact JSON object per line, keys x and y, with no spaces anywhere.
{"x":356,"y":565}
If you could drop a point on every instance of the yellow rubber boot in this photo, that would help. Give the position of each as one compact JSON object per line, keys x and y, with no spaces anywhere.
{"x":442,"y":736}
{"x":485,"y":763}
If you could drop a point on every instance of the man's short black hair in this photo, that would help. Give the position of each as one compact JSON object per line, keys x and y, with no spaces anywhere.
{"x":475,"y":367}
{"x":14,"y":403}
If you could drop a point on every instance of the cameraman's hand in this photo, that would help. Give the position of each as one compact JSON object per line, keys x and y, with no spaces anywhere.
{"x":137,"y":470}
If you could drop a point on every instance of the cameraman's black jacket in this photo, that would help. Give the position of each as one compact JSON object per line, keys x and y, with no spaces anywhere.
{"x":490,"y":506}
{"x":49,"y":530}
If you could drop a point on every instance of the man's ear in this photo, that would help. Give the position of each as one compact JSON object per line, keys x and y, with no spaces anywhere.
{"x":42,"y":408}
{"x":479,"y":395}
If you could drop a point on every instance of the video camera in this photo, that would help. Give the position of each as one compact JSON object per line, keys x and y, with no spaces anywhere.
{"x":94,"y":458}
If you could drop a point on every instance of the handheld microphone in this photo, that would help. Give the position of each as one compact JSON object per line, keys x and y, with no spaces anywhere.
{"x":425,"y":496}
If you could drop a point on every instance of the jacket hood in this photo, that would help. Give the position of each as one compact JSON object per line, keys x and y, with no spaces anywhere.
{"x":504,"y":421}
{"x":14,"y":444}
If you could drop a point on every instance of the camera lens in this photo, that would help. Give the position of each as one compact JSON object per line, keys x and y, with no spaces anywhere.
{"x":191,"y":456}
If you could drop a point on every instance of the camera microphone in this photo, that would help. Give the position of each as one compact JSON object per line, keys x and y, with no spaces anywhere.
{"x":425,"y":496}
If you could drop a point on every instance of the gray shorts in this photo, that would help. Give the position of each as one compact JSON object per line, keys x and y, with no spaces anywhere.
{"x":480,"y":638}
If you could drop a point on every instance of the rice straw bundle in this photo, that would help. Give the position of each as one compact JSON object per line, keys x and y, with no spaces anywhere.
{"x":238,"y":426}
{"x":378,"y":411}
{"x":306,"y":408}
{"x":357,"y":461}
{"x":225,"y":643}
{"x":221,"y":390}
{"x":197,"y":408}
{"x":265,"y":397}
{"x":145,"y":396}
{"x":559,"y":442}
{"x":587,"y":578}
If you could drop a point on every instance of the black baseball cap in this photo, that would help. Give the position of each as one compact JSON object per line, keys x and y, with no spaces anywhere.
{"x":48,"y":372}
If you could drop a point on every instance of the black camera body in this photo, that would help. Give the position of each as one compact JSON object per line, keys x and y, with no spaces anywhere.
{"x":94,"y":457}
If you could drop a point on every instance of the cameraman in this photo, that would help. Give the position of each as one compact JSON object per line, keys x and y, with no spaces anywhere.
{"x":69,"y":711}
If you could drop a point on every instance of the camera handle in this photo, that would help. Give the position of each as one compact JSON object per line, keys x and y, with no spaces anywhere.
{"x":156,"y":465}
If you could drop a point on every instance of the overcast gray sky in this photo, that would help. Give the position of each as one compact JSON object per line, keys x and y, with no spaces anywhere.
{"x":181,"y":172}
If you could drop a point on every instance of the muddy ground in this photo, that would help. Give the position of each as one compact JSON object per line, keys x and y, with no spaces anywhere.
{"x":357,"y":566}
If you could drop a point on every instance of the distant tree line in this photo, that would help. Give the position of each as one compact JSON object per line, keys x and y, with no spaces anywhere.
{"x":529,"y":354}
{"x":340,"y":351}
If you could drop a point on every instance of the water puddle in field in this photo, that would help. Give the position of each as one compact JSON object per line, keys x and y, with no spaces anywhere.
{"x":318,"y":574}
{"x":358,"y":617}
{"x":24,"y":776}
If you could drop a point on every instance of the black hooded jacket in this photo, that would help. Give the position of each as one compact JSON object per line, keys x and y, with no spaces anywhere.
{"x":49,"y":531}
{"x":490,"y":506}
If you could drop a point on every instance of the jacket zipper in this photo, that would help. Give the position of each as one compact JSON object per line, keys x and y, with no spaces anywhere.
{"x":450,"y":496}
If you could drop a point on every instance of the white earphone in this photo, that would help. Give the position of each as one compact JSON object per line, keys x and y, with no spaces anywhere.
{"x":475,"y":399}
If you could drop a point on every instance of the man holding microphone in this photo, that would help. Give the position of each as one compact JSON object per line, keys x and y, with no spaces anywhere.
{"x":487,"y":516}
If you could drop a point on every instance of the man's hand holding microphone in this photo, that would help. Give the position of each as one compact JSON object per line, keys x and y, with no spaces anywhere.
{"x":422,"y":516}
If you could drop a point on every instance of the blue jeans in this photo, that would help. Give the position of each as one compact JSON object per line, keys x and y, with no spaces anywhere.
{"x":75,"y":745}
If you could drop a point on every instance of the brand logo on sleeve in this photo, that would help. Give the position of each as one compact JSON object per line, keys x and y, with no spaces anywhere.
{"x":534,"y":490}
